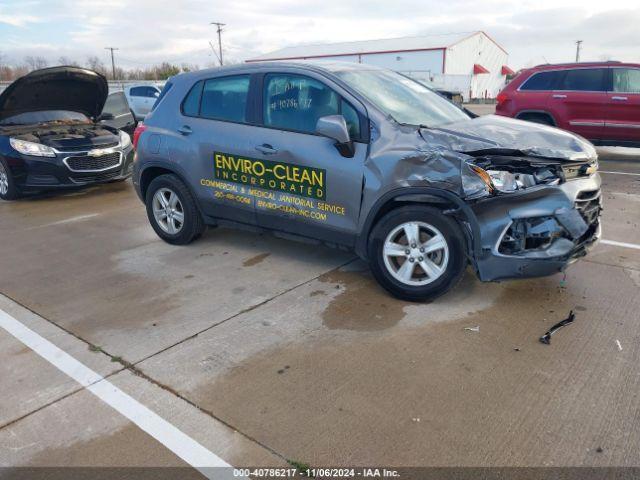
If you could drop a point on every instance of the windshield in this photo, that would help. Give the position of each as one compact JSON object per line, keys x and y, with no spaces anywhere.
{"x":45,"y":116}
{"x":406,"y":100}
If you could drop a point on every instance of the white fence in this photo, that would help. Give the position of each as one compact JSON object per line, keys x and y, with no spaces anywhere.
{"x":114,"y":86}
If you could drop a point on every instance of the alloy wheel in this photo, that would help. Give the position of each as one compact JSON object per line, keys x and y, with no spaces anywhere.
{"x":4,"y":180}
{"x":168,"y":211}
{"x":416,"y":253}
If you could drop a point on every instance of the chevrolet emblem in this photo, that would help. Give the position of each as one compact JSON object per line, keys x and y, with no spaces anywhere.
{"x":98,"y":152}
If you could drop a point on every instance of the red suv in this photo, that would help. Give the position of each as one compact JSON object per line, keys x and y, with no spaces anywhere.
{"x":600,"y":101}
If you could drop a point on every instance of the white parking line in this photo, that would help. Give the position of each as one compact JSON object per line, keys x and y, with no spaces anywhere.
{"x":164,"y":432}
{"x":79,"y":218}
{"x":620,"y":244}
{"x":620,"y":173}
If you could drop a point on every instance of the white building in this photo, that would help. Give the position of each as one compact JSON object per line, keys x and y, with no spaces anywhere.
{"x":470,"y":63}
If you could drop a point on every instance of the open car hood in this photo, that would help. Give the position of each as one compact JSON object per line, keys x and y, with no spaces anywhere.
{"x":58,"y":88}
{"x":492,"y":133}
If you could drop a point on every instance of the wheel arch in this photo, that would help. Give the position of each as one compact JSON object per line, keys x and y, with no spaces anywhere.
{"x":450,"y":203}
{"x":542,"y":113}
{"x":153,"y":171}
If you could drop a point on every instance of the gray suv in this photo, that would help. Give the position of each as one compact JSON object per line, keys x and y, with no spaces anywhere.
{"x":367,"y":159}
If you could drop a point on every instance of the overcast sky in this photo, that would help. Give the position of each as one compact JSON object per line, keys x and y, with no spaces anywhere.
{"x":150,"y":31}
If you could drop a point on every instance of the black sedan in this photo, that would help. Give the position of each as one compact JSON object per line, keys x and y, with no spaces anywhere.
{"x":54,"y":133}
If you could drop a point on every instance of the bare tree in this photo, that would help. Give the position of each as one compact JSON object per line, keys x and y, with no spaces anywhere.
{"x":67,"y":62}
{"x":35,"y":63}
{"x":95,"y":64}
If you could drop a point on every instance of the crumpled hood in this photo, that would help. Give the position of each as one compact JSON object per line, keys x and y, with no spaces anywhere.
{"x":58,"y":88}
{"x":492,"y":132}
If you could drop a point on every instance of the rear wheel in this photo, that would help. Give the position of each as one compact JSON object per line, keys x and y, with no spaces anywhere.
{"x":417,"y":253}
{"x":8,"y":189}
{"x":172,"y":210}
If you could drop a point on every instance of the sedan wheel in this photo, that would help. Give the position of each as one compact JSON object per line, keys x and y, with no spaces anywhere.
{"x":168,"y":211}
{"x":4,"y":181}
{"x":416,"y":253}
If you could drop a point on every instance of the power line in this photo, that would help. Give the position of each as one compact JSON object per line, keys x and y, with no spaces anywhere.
{"x":113,"y":62}
{"x":219,"y":29}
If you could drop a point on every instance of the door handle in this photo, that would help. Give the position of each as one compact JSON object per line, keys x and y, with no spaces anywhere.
{"x":558,"y":95}
{"x":185,"y":130}
{"x":266,"y":149}
{"x":619,"y":98}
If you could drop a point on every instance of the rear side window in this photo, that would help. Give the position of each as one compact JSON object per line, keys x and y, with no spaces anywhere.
{"x":164,"y":91}
{"x":541,"y":81}
{"x":116,"y":104}
{"x":225,"y":98}
{"x":626,"y":80}
{"x":191,"y":103}
{"x":585,"y":80}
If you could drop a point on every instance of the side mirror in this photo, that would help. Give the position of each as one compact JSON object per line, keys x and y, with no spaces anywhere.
{"x":106,"y":116}
{"x":335,"y":127}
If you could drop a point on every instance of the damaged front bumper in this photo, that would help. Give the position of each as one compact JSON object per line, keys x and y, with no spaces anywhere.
{"x":538,"y":231}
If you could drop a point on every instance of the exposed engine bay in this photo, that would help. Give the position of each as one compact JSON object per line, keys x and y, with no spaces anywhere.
{"x":59,"y":131}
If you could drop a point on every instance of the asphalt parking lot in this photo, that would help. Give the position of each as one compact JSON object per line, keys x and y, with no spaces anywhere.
{"x":266,"y":352}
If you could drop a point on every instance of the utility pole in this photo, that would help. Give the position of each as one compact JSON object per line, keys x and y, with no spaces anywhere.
{"x":113,"y":62}
{"x":578,"y":47}
{"x":219,"y":28}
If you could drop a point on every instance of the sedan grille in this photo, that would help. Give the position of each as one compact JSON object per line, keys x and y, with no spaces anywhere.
{"x":90,"y":163}
{"x":588,"y":204}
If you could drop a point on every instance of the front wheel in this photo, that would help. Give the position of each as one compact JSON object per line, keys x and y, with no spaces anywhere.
{"x":8,"y":189}
{"x":417,"y":253}
{"x":172,"y":210}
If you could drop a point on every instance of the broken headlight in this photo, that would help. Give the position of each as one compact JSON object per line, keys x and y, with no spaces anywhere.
{"x":478,"y":182}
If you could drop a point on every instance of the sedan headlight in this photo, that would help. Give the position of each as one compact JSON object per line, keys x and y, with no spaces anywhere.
{"x":125,"y":139}
{"x":30,"y":148}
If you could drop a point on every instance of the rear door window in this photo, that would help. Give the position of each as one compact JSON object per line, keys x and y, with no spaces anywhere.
{"x":585,"y":80}
{"x":225,"y":98}
{"x":626,"y":80}
{"x":138,"y":91}
{"x":541,"y":81}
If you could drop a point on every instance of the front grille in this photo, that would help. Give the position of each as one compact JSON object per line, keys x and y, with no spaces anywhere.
{"x":89,"y":163}
{"x":588,"y":204}
{"x":93,"y":177}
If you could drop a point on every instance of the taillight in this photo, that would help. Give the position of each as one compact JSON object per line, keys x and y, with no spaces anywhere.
{"x":136,"y":134}
{"x":501,"y":98}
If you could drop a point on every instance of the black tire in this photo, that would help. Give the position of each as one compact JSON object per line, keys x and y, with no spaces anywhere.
{"x":12,"y":192}
{"x":193,"y":225}
{"x":455,"y":266}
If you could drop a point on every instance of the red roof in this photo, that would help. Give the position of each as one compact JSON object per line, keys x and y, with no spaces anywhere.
{"x":477,"y":69}
{"x":506,"y":70}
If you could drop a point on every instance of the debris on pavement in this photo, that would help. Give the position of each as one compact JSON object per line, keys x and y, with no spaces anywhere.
{"x":619,"y":345}
{"x":473,"y":329}
{"x":546,"y":338}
